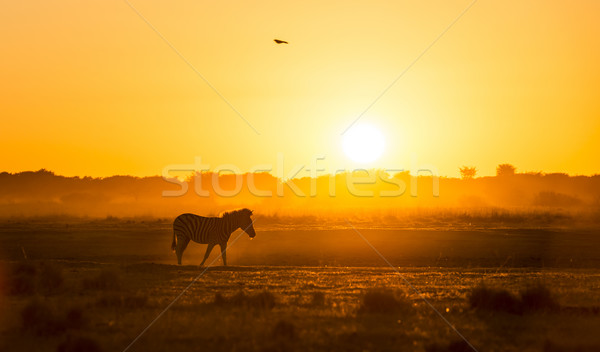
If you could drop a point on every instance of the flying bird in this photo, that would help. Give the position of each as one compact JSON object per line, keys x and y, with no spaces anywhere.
{"x":280,"y":41}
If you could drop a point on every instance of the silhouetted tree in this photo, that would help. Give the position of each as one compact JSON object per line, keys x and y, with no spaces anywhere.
{"x":468,"y":172}
{"x":505,"y":170}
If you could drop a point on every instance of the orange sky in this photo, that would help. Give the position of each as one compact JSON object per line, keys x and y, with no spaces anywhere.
{"x":88,"y":88}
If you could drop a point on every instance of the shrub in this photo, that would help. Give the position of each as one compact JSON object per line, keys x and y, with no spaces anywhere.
{"x":382,"y":301}
{"x":106,"y":279}
{"x":485,"y":298}
{"x":538,"y":297}
{"x":468,"y":173}
{"x":533,"y":298}
{"x":505,"y":170}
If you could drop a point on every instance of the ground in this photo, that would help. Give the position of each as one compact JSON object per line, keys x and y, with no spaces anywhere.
{"x":103,"y":283}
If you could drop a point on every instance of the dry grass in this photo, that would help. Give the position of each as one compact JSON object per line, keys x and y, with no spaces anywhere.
{"x":272,"y":312}
{"x":259,"y":300}
{"x":102,"y":287}
{"x":122,"y":301}
{"x":27,"y":278}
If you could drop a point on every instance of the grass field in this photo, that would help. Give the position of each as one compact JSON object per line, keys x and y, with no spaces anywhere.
{"x":97,"y":285}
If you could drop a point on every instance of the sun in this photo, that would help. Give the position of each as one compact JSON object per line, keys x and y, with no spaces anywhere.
{"x":363,"y":143}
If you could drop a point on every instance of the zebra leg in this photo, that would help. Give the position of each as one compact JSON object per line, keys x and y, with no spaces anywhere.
{"x":208,"y":250}
{"x":182,"y":243}
{"x":224,"y":252}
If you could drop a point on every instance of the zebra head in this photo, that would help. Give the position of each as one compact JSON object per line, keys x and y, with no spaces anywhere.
{"x":245,"y":222}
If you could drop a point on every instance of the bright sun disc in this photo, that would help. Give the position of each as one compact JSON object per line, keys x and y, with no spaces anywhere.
{"x":363,"y":143}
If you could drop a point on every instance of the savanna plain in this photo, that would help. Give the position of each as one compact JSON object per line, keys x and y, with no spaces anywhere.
{"x":98,"y":284}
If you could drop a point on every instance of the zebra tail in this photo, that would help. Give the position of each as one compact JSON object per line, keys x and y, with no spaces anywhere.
{"x":174,"y":243}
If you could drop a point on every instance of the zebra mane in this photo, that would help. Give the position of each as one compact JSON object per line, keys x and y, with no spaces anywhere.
{"x":236,"y":212}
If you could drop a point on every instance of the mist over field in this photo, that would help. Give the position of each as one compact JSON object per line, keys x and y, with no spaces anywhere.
{"x":369,"y":196}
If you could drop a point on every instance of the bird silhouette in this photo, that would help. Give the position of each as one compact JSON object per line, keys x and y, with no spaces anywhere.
{"x":280,"y":41}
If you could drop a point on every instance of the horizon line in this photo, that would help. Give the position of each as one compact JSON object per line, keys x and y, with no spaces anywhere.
{"x":337,"y":172}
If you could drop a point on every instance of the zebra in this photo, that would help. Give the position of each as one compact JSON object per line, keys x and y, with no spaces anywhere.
{"x":209,"y":230}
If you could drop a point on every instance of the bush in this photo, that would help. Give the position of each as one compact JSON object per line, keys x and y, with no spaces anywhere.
{"x":534,"y":298}
{"x":485,"y":298}
{"x":107,"y":279}
{"x":538,"y":297}
{"x":261,"y":300}
{"x":382,"y":301}
{"x":505,"y":170}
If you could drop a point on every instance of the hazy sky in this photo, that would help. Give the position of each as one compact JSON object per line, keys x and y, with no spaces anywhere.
{"x":88,"y":88}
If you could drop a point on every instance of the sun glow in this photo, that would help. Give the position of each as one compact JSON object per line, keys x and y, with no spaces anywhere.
{"x":363,"y":143}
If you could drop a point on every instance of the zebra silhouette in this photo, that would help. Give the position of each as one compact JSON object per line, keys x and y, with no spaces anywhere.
{"x":209,"y":230}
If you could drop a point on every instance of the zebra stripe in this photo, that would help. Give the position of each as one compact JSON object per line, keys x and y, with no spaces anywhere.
{"x":203,"y":230}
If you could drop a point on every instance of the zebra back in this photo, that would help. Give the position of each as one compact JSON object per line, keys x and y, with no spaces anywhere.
{"x":202,"y":229}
